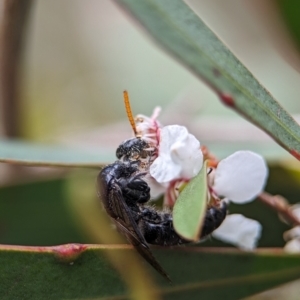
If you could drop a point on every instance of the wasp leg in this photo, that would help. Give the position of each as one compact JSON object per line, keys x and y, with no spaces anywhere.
{"x":135,"y":189}
{"x":123,"y":174}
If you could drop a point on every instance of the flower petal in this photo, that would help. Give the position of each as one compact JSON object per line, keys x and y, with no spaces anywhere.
{"x":292,"y":246}
{"x":188,"y":154}
{"x":148,"y":127}
{"x":239,"y":231}
{"x":169,"y":135}
{"x":164,"y":170}
{"x":292,"y":233}
{"x":179,"y":155}
{"x":241,"y":176}
{"x":296,"y":210}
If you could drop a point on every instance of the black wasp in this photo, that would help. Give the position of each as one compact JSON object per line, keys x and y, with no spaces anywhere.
{"x":125,"y":194}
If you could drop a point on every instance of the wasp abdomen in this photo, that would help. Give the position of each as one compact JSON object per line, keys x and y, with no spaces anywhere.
{"x":213,"y":219}
{"x":157,"y":227}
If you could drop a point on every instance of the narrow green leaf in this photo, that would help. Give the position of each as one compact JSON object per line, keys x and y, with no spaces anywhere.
{"x":25,"y":153}
{"x":190,"y":207}
{"x":77,"y":271}
{"x":180,"y":31}
{"x":84,"y":272}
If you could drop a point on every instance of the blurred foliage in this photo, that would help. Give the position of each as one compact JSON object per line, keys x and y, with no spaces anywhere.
{"x":26,"y":153}
{"x":67,"y":210}
{"x":37,"y":214}
{"x":290,"y":13}
{"x":32,"y":275}
{"x":80,"y":56}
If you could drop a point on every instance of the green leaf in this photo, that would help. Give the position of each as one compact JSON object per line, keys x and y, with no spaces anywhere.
{"x":48,"y":272}
{"x":190,"y":207}
{"x":66,"y":272}
{"x":25,"y":153}
{"x":78,"y":271}
{"x":39,"y":214}
{"x":179,"y":30}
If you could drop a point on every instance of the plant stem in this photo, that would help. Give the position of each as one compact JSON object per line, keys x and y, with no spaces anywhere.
{"x":281,"y":205}
{"x":13,"y":23}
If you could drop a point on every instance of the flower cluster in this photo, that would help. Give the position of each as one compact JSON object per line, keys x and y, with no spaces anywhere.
{"x":239,"y":178}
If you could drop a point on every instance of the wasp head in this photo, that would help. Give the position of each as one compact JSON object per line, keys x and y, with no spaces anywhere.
{"x":136,"y":149}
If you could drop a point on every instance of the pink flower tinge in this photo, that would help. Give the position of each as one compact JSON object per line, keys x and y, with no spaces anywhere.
{"x":148,"y":128}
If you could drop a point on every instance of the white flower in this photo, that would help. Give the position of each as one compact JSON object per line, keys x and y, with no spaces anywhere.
{"x":239,"y":231}
{"x":291,"y":234}
{"x":179,"y":156}
{"x":293,"y":246}
{"x":240,"y":177}
{"x":296,"y":210}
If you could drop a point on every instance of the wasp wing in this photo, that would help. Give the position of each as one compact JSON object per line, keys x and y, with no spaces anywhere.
{"x":127,"y":225}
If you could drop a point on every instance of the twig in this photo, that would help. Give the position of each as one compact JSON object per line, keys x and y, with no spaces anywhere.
{"x":281,"y":205}
{"x":12,"y":31}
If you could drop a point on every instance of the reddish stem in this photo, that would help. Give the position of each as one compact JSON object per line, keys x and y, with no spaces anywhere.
{"x":12,"y":36}
{"x":281,"y":205}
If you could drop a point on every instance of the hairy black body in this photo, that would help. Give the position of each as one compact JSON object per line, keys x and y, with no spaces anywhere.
{"x":124,"y":195}
{"x":130,"y":148}
{"x":122,"y":191}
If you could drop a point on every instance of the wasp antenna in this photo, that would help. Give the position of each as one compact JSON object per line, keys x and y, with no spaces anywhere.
{"x":129,"y":112}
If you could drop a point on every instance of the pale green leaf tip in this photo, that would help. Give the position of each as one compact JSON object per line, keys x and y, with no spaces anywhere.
{"x":190,"y":207}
